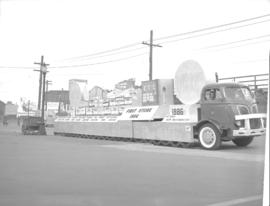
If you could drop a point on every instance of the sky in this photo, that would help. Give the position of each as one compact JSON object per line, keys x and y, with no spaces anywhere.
{"x":69,"y":33}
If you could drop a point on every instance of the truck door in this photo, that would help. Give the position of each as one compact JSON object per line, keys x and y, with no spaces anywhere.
{"x":213,"y":106}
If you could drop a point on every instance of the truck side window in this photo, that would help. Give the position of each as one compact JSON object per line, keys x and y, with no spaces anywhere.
{"x":212,"y":94}
{"x":218,"y":94}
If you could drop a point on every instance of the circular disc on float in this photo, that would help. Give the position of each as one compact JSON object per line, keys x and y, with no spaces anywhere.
{"x":189,"y":81}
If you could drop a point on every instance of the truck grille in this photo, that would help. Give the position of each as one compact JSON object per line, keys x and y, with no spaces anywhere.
{"x":255,"y":123}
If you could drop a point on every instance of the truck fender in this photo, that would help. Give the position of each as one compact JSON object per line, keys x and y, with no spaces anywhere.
{"x":202,"y":122}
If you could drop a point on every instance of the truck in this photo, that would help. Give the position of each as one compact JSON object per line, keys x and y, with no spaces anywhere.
{"x":221,"y":112}
{"x":228,"y":111}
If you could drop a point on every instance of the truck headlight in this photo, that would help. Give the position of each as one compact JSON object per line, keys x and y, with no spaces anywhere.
{"x":239,"y":123}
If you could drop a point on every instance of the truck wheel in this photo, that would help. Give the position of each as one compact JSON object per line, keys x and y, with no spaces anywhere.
{"x":209,"y":137}
{"x":242,"y":142}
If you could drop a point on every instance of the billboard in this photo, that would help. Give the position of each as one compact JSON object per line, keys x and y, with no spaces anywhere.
{"x":78,"y":94}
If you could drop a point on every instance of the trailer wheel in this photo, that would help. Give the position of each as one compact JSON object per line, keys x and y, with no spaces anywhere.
{"x":209,"y":137}
{"x":242,"y":142}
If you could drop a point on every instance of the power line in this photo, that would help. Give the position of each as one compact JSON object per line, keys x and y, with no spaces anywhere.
{"x":82,"y":65}
{"x":212,"y":46}
{"x":247,"y":44}
{"x":105,"y":62}
{"x":106,"y":51}
{"x":16,"y":67}
{"x":214,"y":27}
{"x":235,"y":42}
{"x":251,"y":61}
{"x":167,"y":37}
{"x":113,"y":54}
{"x":177,"y":35}
{"x":212,"y":32}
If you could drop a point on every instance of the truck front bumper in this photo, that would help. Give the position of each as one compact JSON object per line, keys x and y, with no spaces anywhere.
{"x":246,"y":130}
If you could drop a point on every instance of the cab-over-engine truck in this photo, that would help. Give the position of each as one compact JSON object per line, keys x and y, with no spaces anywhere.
{"x":228,"y":111}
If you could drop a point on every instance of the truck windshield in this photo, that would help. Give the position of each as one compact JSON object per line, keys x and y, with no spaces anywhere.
{"x":238,"y":93}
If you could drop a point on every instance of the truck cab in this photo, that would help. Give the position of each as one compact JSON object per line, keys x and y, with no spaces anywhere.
{"x":228,"y":111}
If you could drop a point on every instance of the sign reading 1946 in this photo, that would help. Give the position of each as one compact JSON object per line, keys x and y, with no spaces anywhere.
{"x":139,"y":113}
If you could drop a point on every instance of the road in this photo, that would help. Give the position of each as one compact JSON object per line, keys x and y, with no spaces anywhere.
{"x":63,"y":171}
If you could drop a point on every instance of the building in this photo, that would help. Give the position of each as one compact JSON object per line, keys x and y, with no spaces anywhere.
{"x":57,"y":99}
{"x":11,"y":110}
{"x":78,"y":93}
{"x":2,"y":109}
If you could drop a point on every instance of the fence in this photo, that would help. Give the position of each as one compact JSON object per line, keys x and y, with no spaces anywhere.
{"x":255,"y":82}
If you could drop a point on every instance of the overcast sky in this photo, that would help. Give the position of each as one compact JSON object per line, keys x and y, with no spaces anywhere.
{"x":63,"y":29}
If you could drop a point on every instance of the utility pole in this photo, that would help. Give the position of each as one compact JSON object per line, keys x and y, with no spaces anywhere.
{"x":43,"y":94}
{"x":42,"y":64}
{"x":48,"y":82}
{"x":42,"y":81}
{"x":216,"y":75}
{"x":151,"y":45}
{"x":28,"y":104}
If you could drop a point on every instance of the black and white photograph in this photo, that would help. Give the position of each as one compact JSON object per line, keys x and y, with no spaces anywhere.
{"x":134,"y":103}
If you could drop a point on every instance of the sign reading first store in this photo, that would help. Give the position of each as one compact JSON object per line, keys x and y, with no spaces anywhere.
{"x":139,"y":113}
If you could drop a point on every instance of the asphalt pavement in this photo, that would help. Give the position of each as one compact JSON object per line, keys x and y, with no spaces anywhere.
{"x":55,"y":170}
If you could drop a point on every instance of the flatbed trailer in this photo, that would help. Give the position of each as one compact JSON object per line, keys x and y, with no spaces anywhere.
{"x":156,"y":132}
{"x":181,"y":130}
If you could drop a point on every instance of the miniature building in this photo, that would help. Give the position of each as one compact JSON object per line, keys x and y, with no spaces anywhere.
{"x":126,"y":84}
{"x":157,"y":92}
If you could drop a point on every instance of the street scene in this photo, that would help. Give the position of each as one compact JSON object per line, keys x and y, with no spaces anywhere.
{"x":134,"y":103}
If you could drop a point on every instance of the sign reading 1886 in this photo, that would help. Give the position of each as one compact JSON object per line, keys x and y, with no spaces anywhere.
{"x":182,"y":113}
{"x":177,"y":111}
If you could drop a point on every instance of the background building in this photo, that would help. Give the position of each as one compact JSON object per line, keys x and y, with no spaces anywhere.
{"x":2,"y":109}
{"x":78,"y":94}
{"x":11,"y":110}
{"x":57,"y":100}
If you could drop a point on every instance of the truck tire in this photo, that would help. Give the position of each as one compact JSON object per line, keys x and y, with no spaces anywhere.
{"x":209,"y":137}
{"x":242,"y":142}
